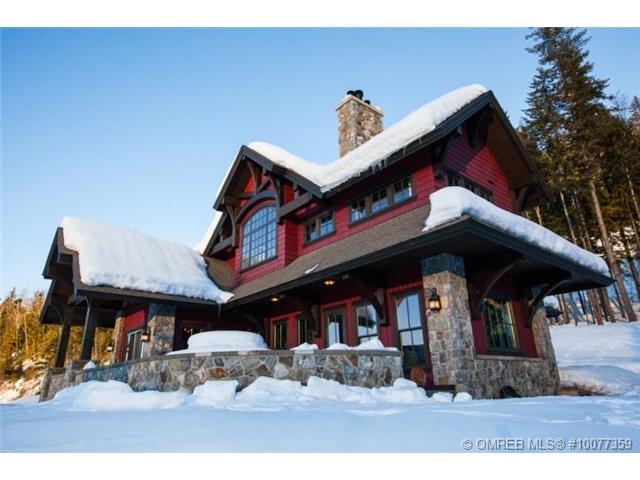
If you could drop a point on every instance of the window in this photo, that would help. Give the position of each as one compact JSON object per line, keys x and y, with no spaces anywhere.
{"x":382,"y":199}
{"x":259,"y":237}
{"x":279,"y":335}
{"x":402,"y":190}
{"x":359,"y":210}
{"x":379,"y":200}
{"x":302,"y":330}
{"x":367,"y":323}
{"x":319,"y":227}
{"x":335,"y":326}
{"x":134,"y":345}
{"x":499,"y":319}
{"x":409,"y":321}
{"x":456,"y":180}
{"x":182,"y":338}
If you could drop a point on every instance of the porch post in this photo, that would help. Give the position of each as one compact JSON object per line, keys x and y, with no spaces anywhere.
{"x":89,"y":332}
{"x":451,"y":341}
{"x":63,"y":339}
{"x":161,"y":323}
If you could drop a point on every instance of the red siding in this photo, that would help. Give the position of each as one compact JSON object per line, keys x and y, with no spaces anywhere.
{"x":479,"y":165}
{"x":133,"y":320}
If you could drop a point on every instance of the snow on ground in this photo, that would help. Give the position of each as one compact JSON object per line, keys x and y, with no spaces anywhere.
{"x":415,"y":125}
{"x":283,"y":416}
{"x":600,"y":359}
{"x":451,"y":203}
{"x":223,"y":341}
{"x":123,"y":258}
{"x":12,"y":390}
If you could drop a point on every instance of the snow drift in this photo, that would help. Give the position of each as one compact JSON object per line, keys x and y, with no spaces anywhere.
{"x":223,"y":341}
{"x":122,"y":258}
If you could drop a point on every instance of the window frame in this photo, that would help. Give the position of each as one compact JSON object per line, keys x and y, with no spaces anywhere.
{"x":342,"y":309}
{"x":365,"y":304}
{"x":423,"y":324}
{"x":516,"y":349}
{"x":128,"y":356}
{"x":283,"y":321}
{"x":242,"y":229}
{"x":486,"y":193}
{"x":390,"y":196}
{"x":301,"y":320}
{"x":316,"y":222}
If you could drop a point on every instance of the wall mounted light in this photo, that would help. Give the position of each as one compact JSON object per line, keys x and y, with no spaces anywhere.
{"x":434,"y":303}
{"x":274,"y":298}
{"x":145,"y":336}
{"x":329,"y":282}
{"x":110,"y":347}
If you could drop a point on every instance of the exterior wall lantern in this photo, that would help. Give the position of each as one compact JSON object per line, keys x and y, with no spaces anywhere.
{"x":145,"y":336}
{"x":110,"y":347}
{"x":434,"y":303}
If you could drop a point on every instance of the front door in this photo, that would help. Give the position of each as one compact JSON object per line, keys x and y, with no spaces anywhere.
{"x":411,"y":331}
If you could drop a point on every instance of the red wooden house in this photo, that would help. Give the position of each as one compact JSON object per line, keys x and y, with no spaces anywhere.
{"x":337,"y":253}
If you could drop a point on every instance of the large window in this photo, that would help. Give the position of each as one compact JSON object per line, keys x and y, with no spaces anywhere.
{"x":409,"y":320}
{"x":500,"y":322}
{"x":382,"y":199}
{"x":319,"y":227}
{"x":182,"y":337}
{"x":334,"y":320}
{"x":134,"y":345}
{"x":457,"y":180}
{"x":366,"y":323}
{"x":279,"y":335}
{"x":259,"y":237}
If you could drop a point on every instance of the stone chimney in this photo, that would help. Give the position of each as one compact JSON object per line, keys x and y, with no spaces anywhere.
{"x":358,"y":121}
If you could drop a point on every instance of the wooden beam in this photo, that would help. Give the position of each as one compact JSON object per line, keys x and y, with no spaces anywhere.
{"x":66,"y":319}
{"x":256,"y":174}
{"x":493,"y":279}
{"x":439,"y":154}
{"x":521,"y":198}
{"x":88,"y":335}
{"x":368,"y":291}
{"x":478,"y":125}
{"x":544,"y":291}
{"x":309,"y":313}
{"x":294,"y":204}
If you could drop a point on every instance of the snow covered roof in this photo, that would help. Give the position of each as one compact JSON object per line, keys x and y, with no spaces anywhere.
{"x":451,"y":203}
{"x":371,"y":153}
{"x":118,"y":257}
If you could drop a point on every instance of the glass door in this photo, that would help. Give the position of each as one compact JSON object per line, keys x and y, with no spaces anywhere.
{"x":410,"y":330}
{"x":335,"y":322}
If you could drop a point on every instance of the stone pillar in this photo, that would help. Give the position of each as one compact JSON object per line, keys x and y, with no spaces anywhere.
{"x":451,"y":341}
{"x":161,"y":323}
{"x":116,"y":339}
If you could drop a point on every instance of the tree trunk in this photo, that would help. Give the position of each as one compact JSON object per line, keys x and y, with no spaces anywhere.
{"x":538,"y":215}
{"x":576,"y":312}
{"x":635,"y":229}
{"x":630,"y":261}
{"x":563,"y":308}
{"x":613,"y":265}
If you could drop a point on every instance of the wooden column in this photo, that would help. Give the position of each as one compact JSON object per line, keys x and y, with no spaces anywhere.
{"x":89,"y":332}
{"x":63,"y":340}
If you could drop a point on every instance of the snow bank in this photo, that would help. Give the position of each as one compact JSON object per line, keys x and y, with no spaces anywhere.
{"x":373,"y":344}
{"x":214,"y":392}
{"x":122,"y":258}
{"x":370,"y":154}
{"x":306,"y":346}
{"x":223,"y":341}
{"x":89,"y":364}
{"x":114,"y":395}
{"x":451,"y":203}
{"x":601,"y":359}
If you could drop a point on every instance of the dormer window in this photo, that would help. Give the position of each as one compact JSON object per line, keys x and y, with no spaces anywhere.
{"x":381,"y":200}
{"x":259,"y":237}
{"x":359,"y":210}
{"x":319,"y":227}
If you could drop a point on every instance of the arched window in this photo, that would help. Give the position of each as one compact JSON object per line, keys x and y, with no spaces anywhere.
{"x":259,"y":237}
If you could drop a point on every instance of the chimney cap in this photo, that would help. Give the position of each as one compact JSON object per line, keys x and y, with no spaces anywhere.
{"x":356,"y":93}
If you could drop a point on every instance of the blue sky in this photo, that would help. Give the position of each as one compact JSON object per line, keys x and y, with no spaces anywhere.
{"x":137,"y":127}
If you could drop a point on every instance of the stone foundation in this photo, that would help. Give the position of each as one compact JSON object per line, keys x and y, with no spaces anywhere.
{"x":365,"y":368}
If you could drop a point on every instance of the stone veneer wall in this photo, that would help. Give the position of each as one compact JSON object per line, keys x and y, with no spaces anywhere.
{"x":365,"y":368}
{"x":452,"y":346}
{"x":161,"y":323}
